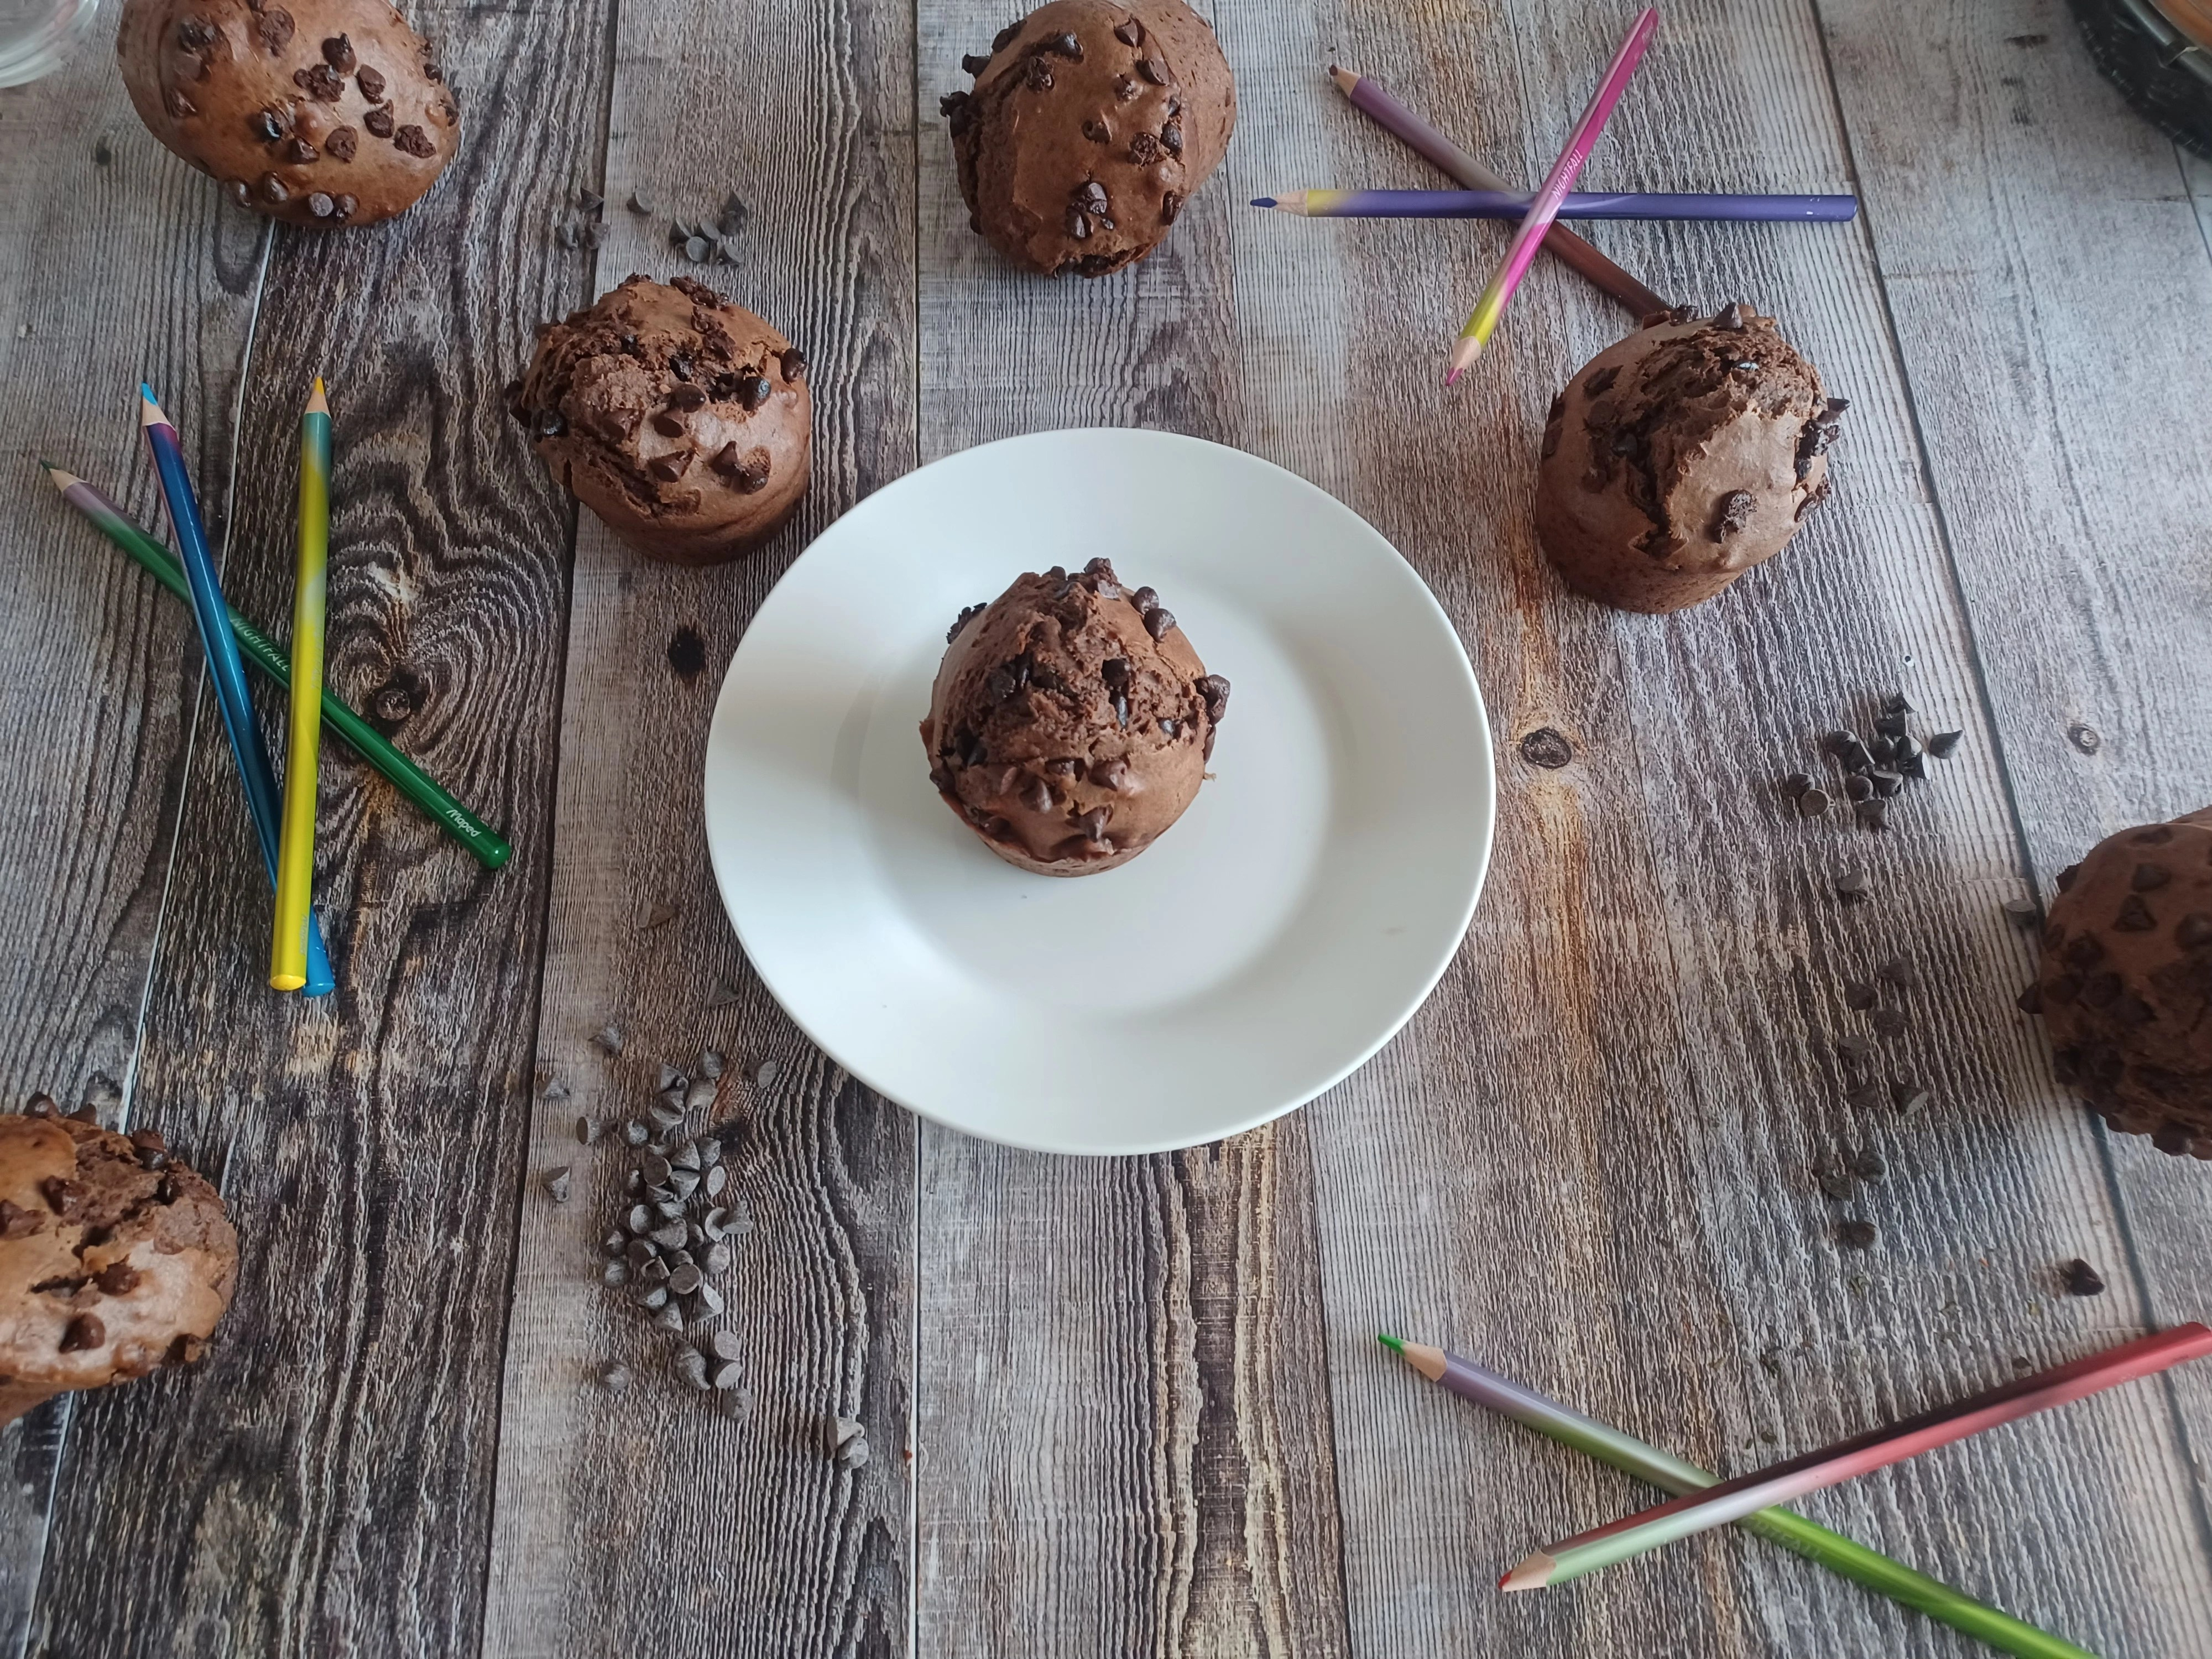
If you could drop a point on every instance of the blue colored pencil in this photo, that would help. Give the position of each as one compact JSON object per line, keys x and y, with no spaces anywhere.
{"x":225,"y":666}
{"x":1579,"y":204}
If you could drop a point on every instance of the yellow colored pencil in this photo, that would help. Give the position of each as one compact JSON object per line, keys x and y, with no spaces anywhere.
{"x":295,"y":852}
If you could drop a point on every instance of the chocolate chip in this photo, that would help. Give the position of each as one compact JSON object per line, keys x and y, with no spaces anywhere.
{"x":1882,"y":750}
{"x":371,"y":82}
{"x":2030,"y":1001}
{"x":970,"y":63}
{"x":1730,"y":317}
{"x":1158,"y":621}
{"x":1890,"y":1022}
{"x":273,"y":28}
{"x":1110,"y":775}
{"x":1093,"y":823}
{"x":1078,"y":224}
{"x":1855,"y":1047}
{"x":1130,"y":34}
{"x":2082,"y":1279}
{"x":195,"y":34}
{"x":415,"y":141}
{"x":173,"y":99}
{"x":1144,"y":150}
{"x":1121,"y":710}
{"x":1857,"y":1235}
{"x":16,"y":1222}
{"x":1546,"y":748}
{"x":551,"y":423}
{"x":1812,"y":803}
{"x":2148,"y":878}
{"x":2135,"y":916}
{"x":999,"y":41}
{"x":2023,"y":912}
{"x":1734,"y":512}
{"x":1859,"y":994}
{"x":83,"y":1332}
{"x":667,"y":425}
{"x":64,"y":1197}
{"x":1886,"y":783}
{"x":1035,"y":75}
{"x":266,"y":127}
{"x":1036,"y":795}
{"x":1171,"y":137}
{"x":1065,"y":45}
{"x":2065,"y":877}
{"x":669,"y":468}
{"x":1169,"y":726}
{"x":273,"y":189}
{"x":338,"y":53}
{"x":379,"y":121}
{"x":2085,"y":739}
{"x":968,"y":614}
{"x":1873,"y":814}
{"x":792,"y":361}
{"x":1170,"y":205}
{"x":1858,"y":786}
{"x":1153,"y":71}
{"x":320,"y":205}
{"x":2193,"y":930}
{"x":339,"y":146}
{"x":319,"y":81}
{"x":1125,"y":88}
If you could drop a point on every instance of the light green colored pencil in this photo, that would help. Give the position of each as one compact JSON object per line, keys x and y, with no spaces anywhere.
{"x":1793,"y":1532}
{"x":295,"y":850}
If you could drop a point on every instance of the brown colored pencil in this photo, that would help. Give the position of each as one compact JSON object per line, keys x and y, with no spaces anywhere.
{"x":1368,"y":96}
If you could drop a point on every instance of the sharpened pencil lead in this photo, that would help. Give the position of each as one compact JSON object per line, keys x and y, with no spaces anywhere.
{"x":1263,"y":200}
{"x":1390,"y":1342}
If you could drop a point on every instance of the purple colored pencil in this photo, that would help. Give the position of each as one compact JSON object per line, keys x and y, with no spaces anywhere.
{"x":1579,"y":204}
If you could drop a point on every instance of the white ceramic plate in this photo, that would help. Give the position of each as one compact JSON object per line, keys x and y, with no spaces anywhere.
{"x":1259,"y":952}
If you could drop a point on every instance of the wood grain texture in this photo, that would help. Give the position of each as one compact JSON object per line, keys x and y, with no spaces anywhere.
{"x":2061,"y":435}
{"x":114,"y":264}
{"x":323,"y":1482}
{"x":649,"y":1523}
{"x":1124,"y":1415}
{"x":1588,"y":1160}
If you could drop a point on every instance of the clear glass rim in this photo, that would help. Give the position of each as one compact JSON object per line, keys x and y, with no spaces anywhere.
{"x":30,"y":56}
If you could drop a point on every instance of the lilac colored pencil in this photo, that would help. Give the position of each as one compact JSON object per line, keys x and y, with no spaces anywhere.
{"x":1579,"y":204}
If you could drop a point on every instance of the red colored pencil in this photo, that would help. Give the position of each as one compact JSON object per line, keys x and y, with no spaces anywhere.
{"x":1784,"y":1483}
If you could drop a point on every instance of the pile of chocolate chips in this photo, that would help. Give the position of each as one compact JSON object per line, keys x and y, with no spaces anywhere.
{"x":680,"y":1216}
{"x":1874,"y":772}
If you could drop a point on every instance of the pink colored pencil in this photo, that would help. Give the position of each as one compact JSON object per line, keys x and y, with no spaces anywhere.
{"x":1785,"y":1483}
{"x":1545,"y":207}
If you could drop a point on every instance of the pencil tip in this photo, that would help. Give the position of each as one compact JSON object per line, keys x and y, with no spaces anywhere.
{"x":1535,"y":1573}
{"x":1263,"y":200}
{"x":1451,"y":375}
{"x":150,"y":411}
{"x":1390,"y":1342}
{"x":1345,"y":79}
{"x":317,"y":403}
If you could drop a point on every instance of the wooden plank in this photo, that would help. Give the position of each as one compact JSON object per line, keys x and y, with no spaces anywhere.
{"x":323,"y":1482}
{"x":1590,"y":1158}
{"x":114,"y":264}
{"x":1123,"y":1407}
{"x":2073,"y":490}
{"x":648,"y":1523}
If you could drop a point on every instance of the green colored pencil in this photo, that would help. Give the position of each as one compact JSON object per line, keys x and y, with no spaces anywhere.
{"x":1793,"y":1532}
{"x":295,"y":848}
{"x":411,"y":780}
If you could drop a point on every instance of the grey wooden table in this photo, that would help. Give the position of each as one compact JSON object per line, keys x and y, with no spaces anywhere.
{"x":1129,"y":1407}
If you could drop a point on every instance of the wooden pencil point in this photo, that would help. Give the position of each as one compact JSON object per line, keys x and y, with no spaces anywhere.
{"x":1533,"y":1574}
{"x":1390,"y":1342}
{"x":317,"y":403}
{"x":1345,"y":79}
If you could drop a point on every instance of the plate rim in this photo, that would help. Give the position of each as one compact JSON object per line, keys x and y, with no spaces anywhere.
{"x":1485,"y":839}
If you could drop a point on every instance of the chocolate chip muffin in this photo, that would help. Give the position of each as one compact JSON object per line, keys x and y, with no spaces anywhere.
{"x":330,"y":112}
{"x":115,"y":1259}
{"x":1679,"y":458}
{"x":1091,"y":122}
{"x":1071,"y":723}
{"x":681,"y":419}
{"x":2125,"y":988}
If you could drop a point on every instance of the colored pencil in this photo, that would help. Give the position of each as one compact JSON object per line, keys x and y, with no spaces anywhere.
{"x":295,"y":846}
{"x":1839,"y":1554}
{"x":365,"y":739}
{"x":225,"y":669}
{"x":1371,"y":98}
{"x":1579,"y":204}
{"x":1519,"y":256}
{"x":1730,"y":1500}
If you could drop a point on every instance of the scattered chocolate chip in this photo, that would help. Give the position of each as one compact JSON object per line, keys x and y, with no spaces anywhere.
{"x":1860,"y":994}
{"x":266,"y":127}
{"x":2023,"y":912}
{"x":793,"y":363}
{"x":1734,"y":512}
{"x":1851,"y":883}
{"x":1546,"y":748}
{"x":414,"y":142}
{"x":1886,"y":783}
{"x":2083,"y":737}
{"x":1158,"y":621}
{"x":273,"y":28}
{"x":1730,"y":317}
{"x":340,"y":144}
{"x":551,"y":423}
{"x":1170,"y":205}
{"x":1943,"y":742}
{"x":1153,"y":71}
{"x":1890,"y":1022}
{"x":64,"y":1197}
{"x":668,"y":426}
{"x":1093,"y":823}
{"x":1064,"y":44}
{"x":973,"y":64}
{"x":118,"y":1279}
{"x":1037,"y":76}
{"x":1856,"y":1235}
{"x":999,"y":41}
{"x":1171,"y":137}
{"x":2082,"y":1279}
{"x":1144,"y":150}
{"x":1873,"y":814}
{"x":1858,"y":786}
{"x":1078,"y":224}
{"x":2149,"y":878}
{"x":609,"y":1039}
{"x":1125,"y":88}
{"x":379,"y":121}
{"x":273,"y":189}
{"x":319,"y":81}
{"x":2135,"y":916}
{"x":83,"y":1332}
{"x":16,"y":1222}
{"x":556,"y":1184}
{"x":1855,"y":1047}
{"x":1130,"y":34}
{"x":1812,"y":803}
{"x":1214,"y":689}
